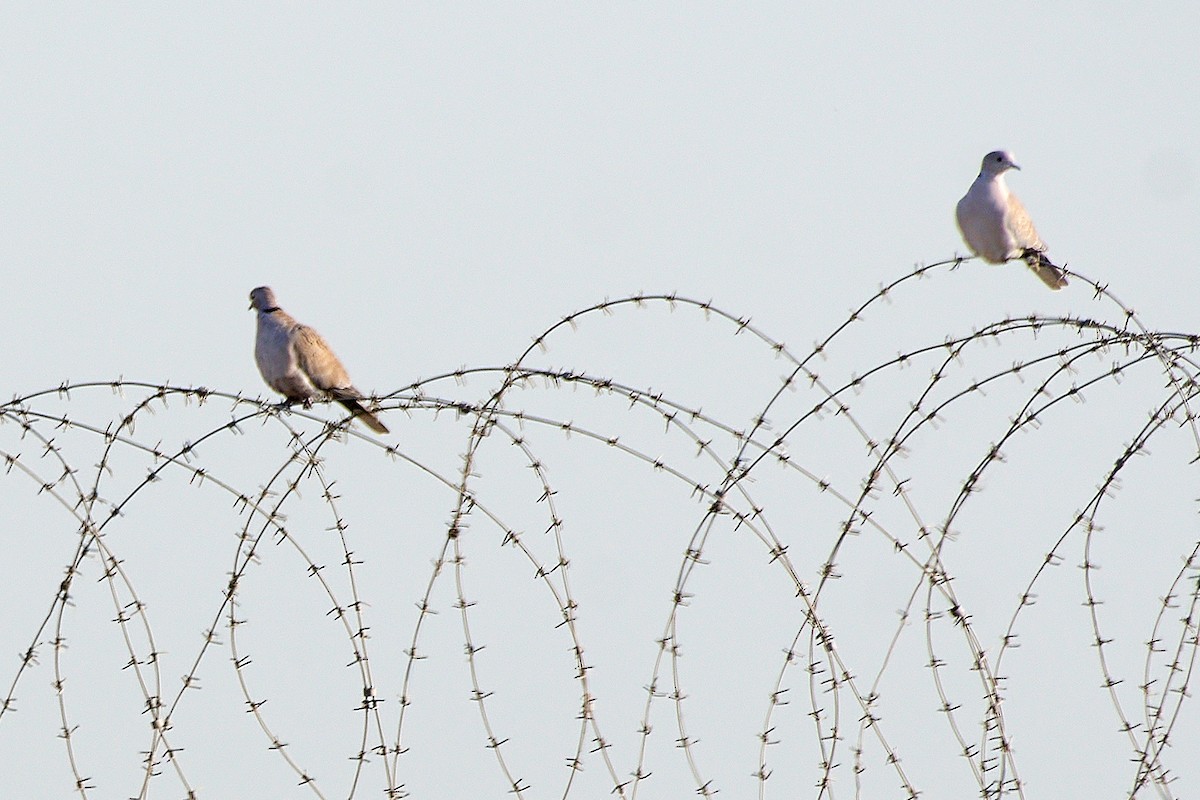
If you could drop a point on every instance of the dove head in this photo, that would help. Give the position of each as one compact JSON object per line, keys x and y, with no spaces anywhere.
{"x":263,"y":299}
{"x":997,"y":162}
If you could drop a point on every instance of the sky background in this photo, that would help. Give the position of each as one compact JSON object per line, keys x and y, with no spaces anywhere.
{"x":433,"y":185}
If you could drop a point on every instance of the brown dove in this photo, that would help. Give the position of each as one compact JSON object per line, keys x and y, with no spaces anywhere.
{"x":296,"y":362}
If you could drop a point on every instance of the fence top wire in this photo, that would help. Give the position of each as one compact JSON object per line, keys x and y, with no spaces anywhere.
{"x":891,"y":563}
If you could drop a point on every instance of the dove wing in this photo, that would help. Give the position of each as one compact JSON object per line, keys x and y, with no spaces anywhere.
{"x":1017,"y":220}
{"x":317,"y":360}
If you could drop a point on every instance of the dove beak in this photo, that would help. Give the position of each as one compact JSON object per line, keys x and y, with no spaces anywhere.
{"x":1015,"y":166}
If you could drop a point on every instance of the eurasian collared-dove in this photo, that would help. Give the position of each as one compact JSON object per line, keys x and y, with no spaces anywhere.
{"x":996,"y":226}
{"x":296,"y":362}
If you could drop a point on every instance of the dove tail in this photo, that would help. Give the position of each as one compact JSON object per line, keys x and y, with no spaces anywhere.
{"x":366,"y":417}
{"x":1044,"y":268}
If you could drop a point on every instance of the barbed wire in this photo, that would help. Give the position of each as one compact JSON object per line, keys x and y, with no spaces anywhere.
{"x":863,"y":475}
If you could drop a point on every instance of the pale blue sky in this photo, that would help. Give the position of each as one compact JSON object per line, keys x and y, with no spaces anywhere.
{"x":432,"y":185}
{"x":507,"y":164}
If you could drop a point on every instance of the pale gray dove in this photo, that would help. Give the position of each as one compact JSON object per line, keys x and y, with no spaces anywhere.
{"x":996,"y":226}
{"x":296,"y":362}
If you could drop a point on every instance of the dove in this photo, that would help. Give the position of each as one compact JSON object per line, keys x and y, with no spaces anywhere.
{"x":296,"y":362}
{"x":996,"y":226}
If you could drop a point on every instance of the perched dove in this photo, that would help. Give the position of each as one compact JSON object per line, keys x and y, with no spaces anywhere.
{"x":996,"y":226}
{"x":296,"y":362}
